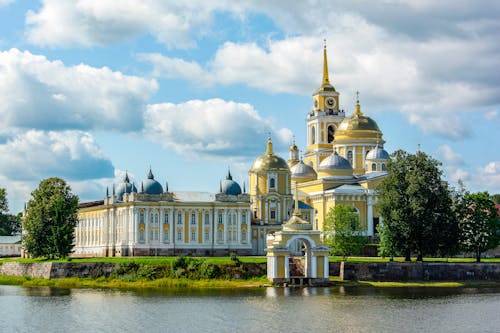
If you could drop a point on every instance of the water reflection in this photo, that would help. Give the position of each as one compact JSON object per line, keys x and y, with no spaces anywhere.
{"x":335,"y":309}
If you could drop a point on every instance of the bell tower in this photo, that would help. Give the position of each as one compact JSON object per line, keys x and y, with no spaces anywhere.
{"x":323,"y":120}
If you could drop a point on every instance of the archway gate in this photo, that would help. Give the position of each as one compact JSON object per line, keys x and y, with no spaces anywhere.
{"x":279,"y":252}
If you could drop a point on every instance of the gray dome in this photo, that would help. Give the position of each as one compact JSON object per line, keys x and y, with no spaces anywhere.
{"x":302,"y":170}
{"x":125,"y":187}
{"x":377,"y":153}
{"x":229,"y":187}
{"x":335,"y":162}
{"x":151,"y":186}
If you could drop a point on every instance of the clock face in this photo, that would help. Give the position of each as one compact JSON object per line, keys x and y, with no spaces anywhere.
{"x":330,"y":102}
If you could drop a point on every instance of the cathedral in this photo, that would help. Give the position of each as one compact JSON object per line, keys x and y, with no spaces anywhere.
{"x":343,"y":163}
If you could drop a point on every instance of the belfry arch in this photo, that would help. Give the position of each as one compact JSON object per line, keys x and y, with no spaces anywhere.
{"x":280,"y":252}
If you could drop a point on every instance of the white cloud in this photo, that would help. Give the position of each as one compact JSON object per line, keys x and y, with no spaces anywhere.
{"x":449,"y":155}
{"x":5,"y":2}
{"x":213,"y":127}
{"x":34,"y":155}
{"x":102,"y":22}
{"x":43,"y":94}
{"x":491,"y":115}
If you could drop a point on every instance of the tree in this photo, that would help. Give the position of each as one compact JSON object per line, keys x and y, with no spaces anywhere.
{"x":496,"y":198}
{"x":416,"y":207}
{"x":50,"y":220}
{"x":343,"y":234}
{"x":479,"y":223}
{"x":9,"y":224}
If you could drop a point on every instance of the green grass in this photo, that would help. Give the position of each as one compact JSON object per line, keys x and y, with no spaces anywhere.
{"x":144,"y":260}
{"x":401,"y":259}
{"x":163,"y":283}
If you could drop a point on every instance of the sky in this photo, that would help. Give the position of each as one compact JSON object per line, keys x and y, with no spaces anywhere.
{"x":92,"y":89}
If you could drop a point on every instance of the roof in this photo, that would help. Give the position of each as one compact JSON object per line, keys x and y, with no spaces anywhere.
{"x":194,"y":196}
{"x":91,"y":204}
{"x":10,"y":239}
{"x":302,"y":205}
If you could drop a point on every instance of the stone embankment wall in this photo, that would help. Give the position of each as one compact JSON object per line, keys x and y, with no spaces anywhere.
{"x":49,"y":270}
{"x":393,"y":271}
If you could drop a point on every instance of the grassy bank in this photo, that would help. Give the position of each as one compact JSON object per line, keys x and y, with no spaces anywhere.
{"x":184,"y":283}
{"x":111,"y":283}
{"x":402,"y":259}
{"x":413,"y":284}
{"x":140,"y":260}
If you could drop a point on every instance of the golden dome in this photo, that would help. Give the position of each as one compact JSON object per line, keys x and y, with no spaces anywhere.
{"x":358,"y":122}
{"x":269,"y":161}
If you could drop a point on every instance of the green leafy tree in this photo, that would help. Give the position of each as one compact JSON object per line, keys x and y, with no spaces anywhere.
{"x":479,"y":223}
{"x":342,"y":230}
{"x":50,"y":220}
{"x":386,"y":246}
{"x":496,"y":198}
{"x":9,"y":224}
{"x":416,"y":208}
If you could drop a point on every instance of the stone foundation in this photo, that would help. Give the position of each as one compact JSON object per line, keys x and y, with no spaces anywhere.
{"x":395,"y":271}
{"x":49,"y":270}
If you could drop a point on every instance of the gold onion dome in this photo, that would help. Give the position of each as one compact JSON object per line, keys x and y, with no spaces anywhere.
{"x":269,"y":161}
{"x":358,"y":122}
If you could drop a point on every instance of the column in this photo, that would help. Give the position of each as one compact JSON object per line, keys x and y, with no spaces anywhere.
{"x":326,"y":267}
{"x":370,"y":215}
{"x":146,"y":221}
{"x":171,"y":223}
{"x":354,"y":162}
{"x":161,"y":219}
{"x":287,"y":267}
{"x":314,"y":267}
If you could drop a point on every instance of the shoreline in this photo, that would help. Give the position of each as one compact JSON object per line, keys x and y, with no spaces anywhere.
{"x":184,"y":283}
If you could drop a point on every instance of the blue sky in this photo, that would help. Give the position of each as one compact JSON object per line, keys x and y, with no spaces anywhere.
{"x":90,"y":89}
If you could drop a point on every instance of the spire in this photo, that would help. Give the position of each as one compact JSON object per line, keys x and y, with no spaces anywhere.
{"x":166,"y":186}
{"x":325,"y":82}
{"x":244,"y":188}
{"x":229,"y":177}
{"x":220,"y":186}
{"x":142,"y":187}
{"x":107,"y":192}
{"x":126,"y":179}
{"x":150,"y":174}
{"x":114,"y":192}
{"x":269,"y":149}
{"x":358,"y":107}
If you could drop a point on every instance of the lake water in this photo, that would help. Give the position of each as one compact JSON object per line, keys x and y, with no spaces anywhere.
{"x":336,"y":309}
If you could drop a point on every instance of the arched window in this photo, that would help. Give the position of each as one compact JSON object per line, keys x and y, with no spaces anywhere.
{"x":272,"y":183}
{"x":313,"y":135}
{"x":374,"y":167}
{"x":331,"y":133}
{"x":349,"y":156}
{"x":383,"y":166}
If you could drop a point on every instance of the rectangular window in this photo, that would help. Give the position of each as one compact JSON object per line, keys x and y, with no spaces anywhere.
{"x":193,"y":218}
{"x":179,"y":218}
{"x":193,"y":235}
{"x":243,"y":237}
{"x":273,"y":214}
{"x":207,"y":219}
{"x":244,"y":218}
{"x":220,"y":218}
{"x":179,"y":235}
{"x":206,"y":236}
